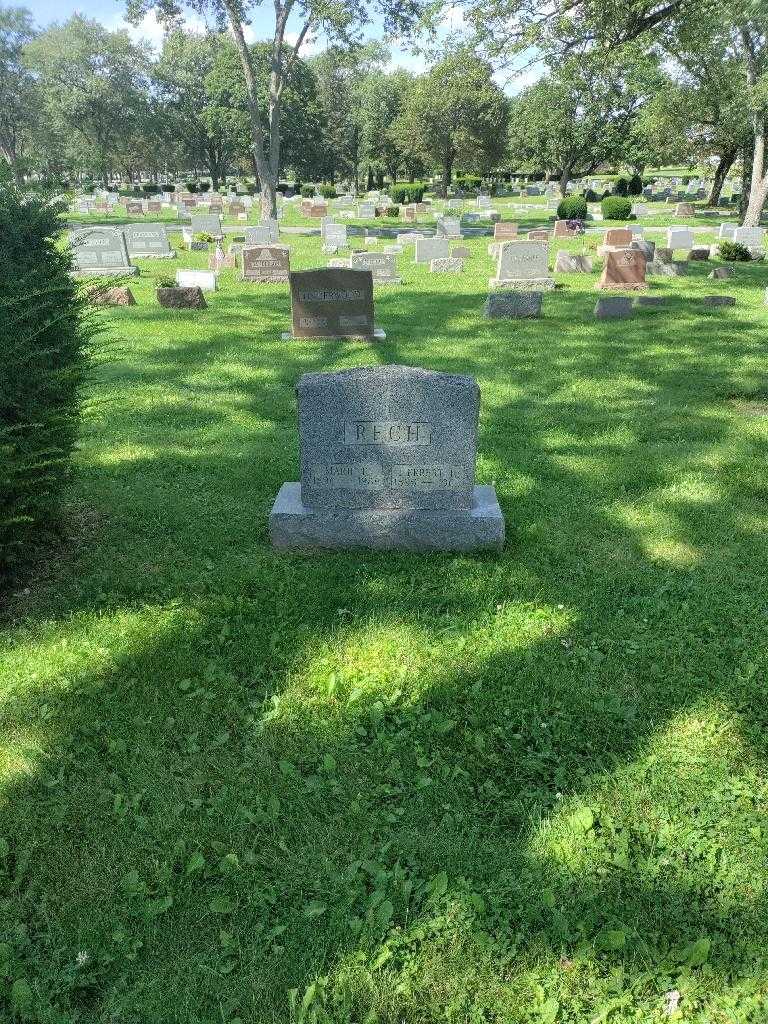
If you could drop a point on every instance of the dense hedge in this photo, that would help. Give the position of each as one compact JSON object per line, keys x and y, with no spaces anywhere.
{"x":307,"y":191}
{"x":635,"y":186}
{"x":407,"y":192}
{"x":572,"y":208}
{"x":328,"y":191}
{"x":43,"y":339}
{"x":616,"y":208}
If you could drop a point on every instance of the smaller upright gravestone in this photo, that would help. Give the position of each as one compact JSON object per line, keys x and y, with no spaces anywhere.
{"x":449,"y":227}
{"x":205,"y":280}
{"x":366,"y":211}
{"x":134,"y":208}
{"x":206,"y":224}
{"x":381,"y":265}
{"x":446,"y":265}
{"x":624,"y":271}
{"x":679,"y":238}
{"x":387,"y":462}
{"x":513,"y":305}
{"x":568,"y":229}
{"x":428,"y":249}
{"x":523,"y":266}
{"x":148,"y":240}
{"x":572,"y":263}
{"x":265,"y":233}
{"x":540,"y":235}
{"x":685,"y":210}
{"x":332,"y":303}
{"x":266,"y":264}
{"x":100,"y":251}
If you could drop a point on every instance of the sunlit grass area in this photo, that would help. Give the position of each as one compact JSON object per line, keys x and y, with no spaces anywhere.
{"x":238,"y":785}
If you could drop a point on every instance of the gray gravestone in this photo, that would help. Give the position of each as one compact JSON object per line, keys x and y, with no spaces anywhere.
{"x":572,"y":263}
{"x":100,"y":251}
{"x":147,"y":240}
{"x":449,"y":227}
{"x":266,"y":264}
{"x":206,"y":224}
{"x":523,"y":265}
{"x":513,"y":305}
{"x":718,"y":300}
{"x":387,"y":462}
{"x":613,"y":307}
{"x":446,"y":265}
{"x":381,"y":265}
{"x":265,"y":233}
{"x":428,"y":249}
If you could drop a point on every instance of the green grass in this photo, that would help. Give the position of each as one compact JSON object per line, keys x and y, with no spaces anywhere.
{"x":383,"y":787}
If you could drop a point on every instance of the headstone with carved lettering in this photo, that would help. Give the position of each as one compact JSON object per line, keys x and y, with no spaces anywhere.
{"x":428,"y":249}
{"x":387,"y":458}
{"x":266,"y":264}
{"x":332,"y":302}
{"x":206,"y":224}
{"x":100,"y":252}
{"x":382,"y":266}
{"x":523,"y":265}
{"x":145,"y":240}
{"x":624,"y":270}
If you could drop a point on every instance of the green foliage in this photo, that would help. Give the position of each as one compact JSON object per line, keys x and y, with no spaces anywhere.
{"x":191,"y":186}
{"x":635,"y":186}
{"x":621,"y":186}
{"x":165,"y":281}
{"x":616,"y":208}
{"x":572,"y":208}
{"x":407,"y":192}
{"x":307,"y":191}
{"x":203,"y":236}
{"x":205,"y":186}
{"x":591,"y":196}
{"x":43,"y":339}
{"x":150,"y":190}
{"x":734,"y":252}
{"x":392,"y":211}
{"x":468,"y":181}
{"x":328,"y":191}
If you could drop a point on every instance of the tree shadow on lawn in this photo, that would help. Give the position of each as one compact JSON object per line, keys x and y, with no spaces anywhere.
{"x":573,"y":733}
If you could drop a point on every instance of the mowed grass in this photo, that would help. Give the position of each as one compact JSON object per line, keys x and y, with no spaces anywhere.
{"x":239,"y":785}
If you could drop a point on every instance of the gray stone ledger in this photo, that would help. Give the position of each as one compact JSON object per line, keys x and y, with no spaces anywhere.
{"x":387,"y":462}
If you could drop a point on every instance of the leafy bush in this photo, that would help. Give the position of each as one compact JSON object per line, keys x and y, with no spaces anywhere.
{"x":307,"y":191}
{"x":635,"y":186}
{"x":392,"y":211}
{"x":202,"y":236}
{"x":150,"y":190}
{"x":44,"y":334}
{"x":616,"y":208}
{"x":686,"y":179}
{"x":591,"y":196}
{"x":734,"y":252}
{"x":167,"y":187}
{"x":467,"y":181}
{"x":328,"y":191}
{"x":620,"y":187}
{"x":165,"y":281}
{"x":572,"y":208}
{"x":251,"y":190}
{"x":191,"y":186}
{"x":649,"y":179}
{"x":407,"y":192}
{"x":205,"y":186}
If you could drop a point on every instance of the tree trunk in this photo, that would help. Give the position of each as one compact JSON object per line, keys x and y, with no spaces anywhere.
{"x":746,"y":175}
{"x":724,"y":165}
{"x":758,"y":189}
{"x":448,"y":169}
{"x":565,"y":177}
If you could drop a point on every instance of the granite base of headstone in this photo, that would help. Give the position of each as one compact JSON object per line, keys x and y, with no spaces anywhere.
{"x":699,"y":253}
{"x":446,"y":265}
{"x":513,"y":305}
{"x":718,"y":300}
{"x":720,"y":274}
{"x":115,"y":296}
{"x":656,"y":269}
{"x":613,"y":307}
{"x":650,"y":301}
{"x":387,"y":463}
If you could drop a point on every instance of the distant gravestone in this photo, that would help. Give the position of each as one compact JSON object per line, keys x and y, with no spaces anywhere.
{"x":568,"y":229}
{"x":721,"y":273}
{"x":685,"y":210}
{"x":428,"y":249}
{"x":699,"y":253}
{"x":332,"y":303}
{"x":266,"y":233}
{"x":381,"y":265}
{"x":523,"y":265}
{"x":572,"y":263}
{"x":648,"y":249}
{"x":726,"y":231}
{"x":100,"y":251}
{"x":366,"y":211}
{"x":206,"y":223}
{"x":134,"y":207}
{"x":147,"y":240}
{"x":446,"y":265}
{"x":266,"y":264}
{"x":335,"y":235}
{"x":679,"y":238}
{"x":613,"y":307}
{"x":449,"y":227}
{"x":751,"y":237}
{"x":718,"y":300}
{"x":236,"y":208}
{"x":624,"y":270}
{"x":387,"y":462}
{"x":617,"y":237}
{"x":205,"y":280}
{"x":540,"y":235}
{"x":513,"y":305}
{"x":504,"y":230}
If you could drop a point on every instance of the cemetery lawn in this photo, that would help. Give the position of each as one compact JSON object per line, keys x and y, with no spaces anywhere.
{"x":239,"y":785}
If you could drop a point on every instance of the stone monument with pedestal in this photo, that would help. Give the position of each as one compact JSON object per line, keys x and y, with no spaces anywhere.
{"x":387,"y":462}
